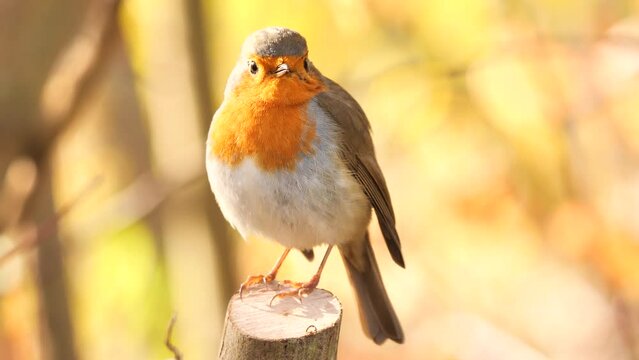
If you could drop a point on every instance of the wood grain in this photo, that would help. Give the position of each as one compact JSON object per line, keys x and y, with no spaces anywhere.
{"x":285,"y":330}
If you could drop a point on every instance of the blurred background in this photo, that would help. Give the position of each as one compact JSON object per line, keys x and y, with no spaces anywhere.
{"x":508,"y":132}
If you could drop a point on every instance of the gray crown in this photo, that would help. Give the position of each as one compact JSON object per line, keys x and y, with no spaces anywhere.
{"x":274,"y":41}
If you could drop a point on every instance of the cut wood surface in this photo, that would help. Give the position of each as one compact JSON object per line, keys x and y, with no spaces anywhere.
{"x":285,"y":330}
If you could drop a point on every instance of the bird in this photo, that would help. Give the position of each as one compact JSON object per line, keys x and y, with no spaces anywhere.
{"x":290,"y":158}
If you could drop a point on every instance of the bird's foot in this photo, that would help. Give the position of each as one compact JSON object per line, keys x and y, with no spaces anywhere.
{"x":256,"y":279}
{"x":300,"y":289}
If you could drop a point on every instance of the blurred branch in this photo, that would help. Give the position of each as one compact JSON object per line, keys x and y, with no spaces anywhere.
{"x":177,"y":355}
{"x":75,"y":71}
{"x":19,"y":181}
{"x":48,"y":228}
{"x":136,"y":201}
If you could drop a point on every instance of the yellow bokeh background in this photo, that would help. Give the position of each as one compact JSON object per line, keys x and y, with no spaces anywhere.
{"x":508,"y":133}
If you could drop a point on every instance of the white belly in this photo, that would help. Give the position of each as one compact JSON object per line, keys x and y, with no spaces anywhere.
{"x":318,"y":202}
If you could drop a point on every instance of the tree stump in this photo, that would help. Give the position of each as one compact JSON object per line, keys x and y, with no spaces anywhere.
{"x":286,"y":330}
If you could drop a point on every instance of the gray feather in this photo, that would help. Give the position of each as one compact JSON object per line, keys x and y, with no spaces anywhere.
{"x":274,"y":41}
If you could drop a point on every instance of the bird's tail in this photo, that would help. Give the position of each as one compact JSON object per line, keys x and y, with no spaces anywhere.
{"x":375,"y":309}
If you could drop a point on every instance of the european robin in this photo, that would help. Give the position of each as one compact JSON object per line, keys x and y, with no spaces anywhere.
{"x":290,"y":158}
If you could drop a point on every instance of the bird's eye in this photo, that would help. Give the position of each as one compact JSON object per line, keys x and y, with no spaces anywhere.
{"x":306,"y":64}
{"x":253,"y":67}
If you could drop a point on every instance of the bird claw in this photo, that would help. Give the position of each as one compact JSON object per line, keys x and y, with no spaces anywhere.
{"x":255,"y":279}
{"x":300,"y":289}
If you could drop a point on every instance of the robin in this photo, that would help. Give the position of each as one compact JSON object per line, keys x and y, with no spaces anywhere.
{"x":290,"y":158}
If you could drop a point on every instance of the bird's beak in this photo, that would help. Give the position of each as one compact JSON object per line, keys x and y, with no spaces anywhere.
{"x":281,"y":70}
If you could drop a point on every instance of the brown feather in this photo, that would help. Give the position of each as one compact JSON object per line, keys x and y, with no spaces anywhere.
{"x":359,"y":155}
{"x":376,"y":313}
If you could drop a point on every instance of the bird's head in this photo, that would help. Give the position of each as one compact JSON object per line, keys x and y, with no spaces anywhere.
{"x":274,"y":68}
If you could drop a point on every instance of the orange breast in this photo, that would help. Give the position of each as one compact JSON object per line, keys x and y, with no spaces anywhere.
{"x":273,"y":135}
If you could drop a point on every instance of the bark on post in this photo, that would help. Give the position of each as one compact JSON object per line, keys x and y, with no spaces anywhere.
{"x":286,"y":330}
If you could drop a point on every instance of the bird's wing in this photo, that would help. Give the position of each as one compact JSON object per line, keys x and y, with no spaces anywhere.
{"x":358,"y":153}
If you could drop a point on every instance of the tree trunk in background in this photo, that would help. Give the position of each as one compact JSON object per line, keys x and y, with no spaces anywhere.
{"x":222,"y":243}
{"x":51,"y":274}
{"x":173,"y":88}
{"x":71,"y":78}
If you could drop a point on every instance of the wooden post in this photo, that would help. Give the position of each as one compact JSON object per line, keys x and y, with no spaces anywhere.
{"x":286,"y":330}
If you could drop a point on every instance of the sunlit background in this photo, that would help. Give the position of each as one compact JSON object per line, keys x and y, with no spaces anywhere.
{"x":508,"y":132}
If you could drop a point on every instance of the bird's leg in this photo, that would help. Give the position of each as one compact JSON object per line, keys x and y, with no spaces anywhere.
{"x":256,"y":279}
{"x":303,"y":288}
